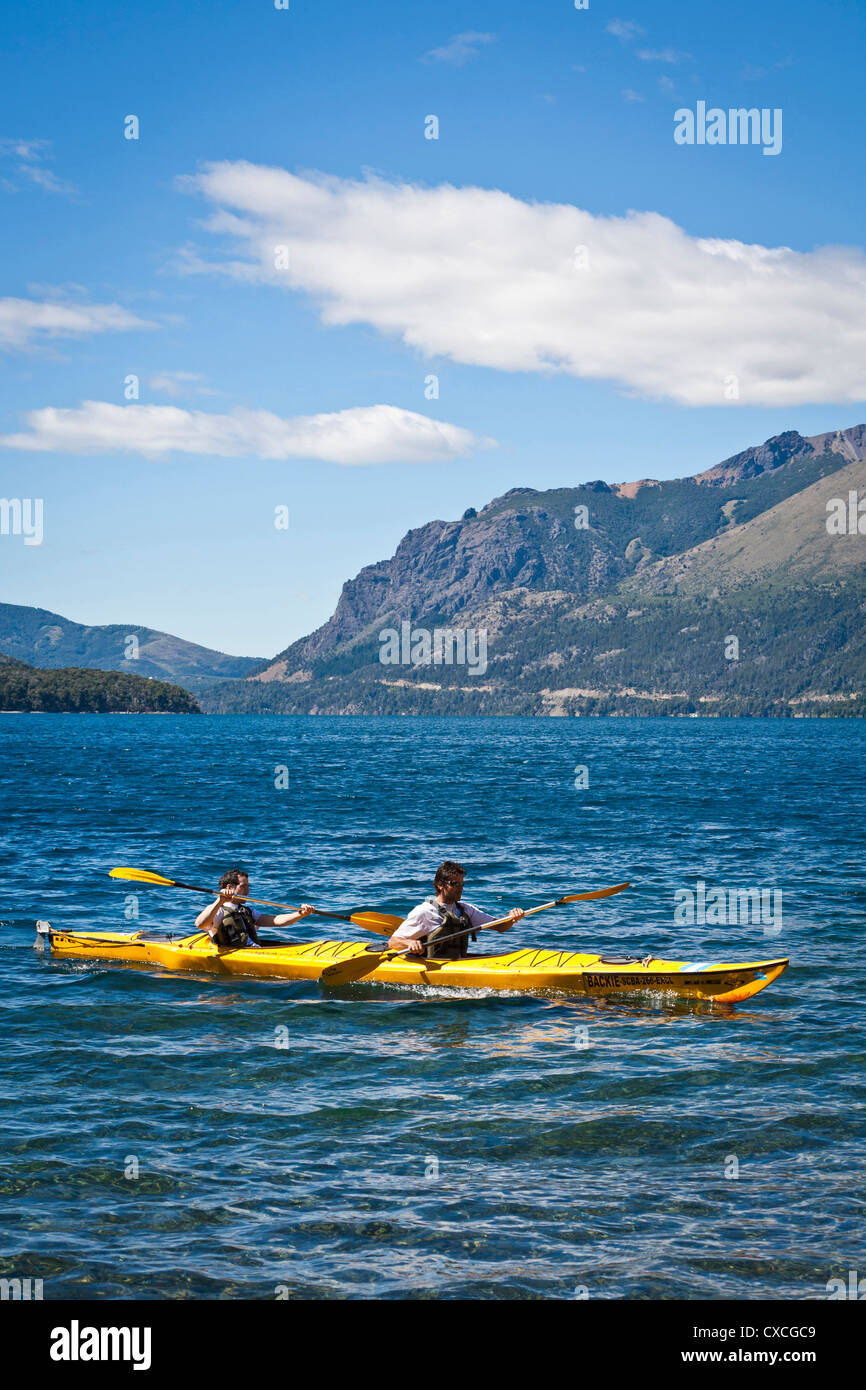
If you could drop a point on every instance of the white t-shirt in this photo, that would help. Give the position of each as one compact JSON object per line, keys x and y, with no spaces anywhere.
{"x":423,"y":918}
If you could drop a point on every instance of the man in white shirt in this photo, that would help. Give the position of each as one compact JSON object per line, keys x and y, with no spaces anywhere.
{"x":445,"y":915}
{"x":235,"y":924}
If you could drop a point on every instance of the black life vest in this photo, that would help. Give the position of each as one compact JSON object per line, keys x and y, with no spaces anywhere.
{"x":237,"y":926}
{"x":453,"y":919}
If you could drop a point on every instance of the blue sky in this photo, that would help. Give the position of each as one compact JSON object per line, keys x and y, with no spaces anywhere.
{"x":397,"y":270}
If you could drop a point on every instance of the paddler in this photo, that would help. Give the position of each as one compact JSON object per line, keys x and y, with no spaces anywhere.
{"x":232,"y":923}
{"x":445,"y":914}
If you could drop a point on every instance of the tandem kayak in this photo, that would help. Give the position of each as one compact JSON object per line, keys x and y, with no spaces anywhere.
{"x":533,"y":968}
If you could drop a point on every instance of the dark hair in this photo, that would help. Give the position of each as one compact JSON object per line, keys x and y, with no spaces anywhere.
{"x":447,"y":870}
{"x":232,"y":877}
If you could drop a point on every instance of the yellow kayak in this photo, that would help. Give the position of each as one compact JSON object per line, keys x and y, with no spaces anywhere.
{"x":533,"y":968}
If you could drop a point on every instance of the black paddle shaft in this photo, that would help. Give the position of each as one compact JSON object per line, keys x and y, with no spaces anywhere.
{"x":483,"y":927}
{"x":245,"y":898}
{"x":440,"y":941}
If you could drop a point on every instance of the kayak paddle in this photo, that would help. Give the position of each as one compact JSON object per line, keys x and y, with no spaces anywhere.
{"x":388,"y":924}
{"x":370,"y":921}
{"x":344,"y":972}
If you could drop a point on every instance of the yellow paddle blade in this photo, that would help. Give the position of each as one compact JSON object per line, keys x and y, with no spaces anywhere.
{"x":382,"y":922}
{"x":140,"y":876}
{"x":596,"y":893}
{"x":345,"y":971}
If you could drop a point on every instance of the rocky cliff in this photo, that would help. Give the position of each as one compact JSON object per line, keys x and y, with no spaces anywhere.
{"x":610,"y":598}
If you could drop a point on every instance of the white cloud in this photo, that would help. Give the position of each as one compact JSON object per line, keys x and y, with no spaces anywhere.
{"x":29,"y":150}
{"x":28,"y":156}
{"x":624,"y":29}
{"x":751,"y":73}
{"x":661,"y":55}
{"x":26,"y":323}
{"x":631,"y":95}
{"x":364,"y":434}
{"x":459,"y":48}
{"x":487,"y":279}
{"x":179,"y":384}
{"x":47,"y":180}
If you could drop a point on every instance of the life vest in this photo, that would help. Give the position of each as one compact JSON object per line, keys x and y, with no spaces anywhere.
{"x":237,"y":926}
{"x":452,"y":918}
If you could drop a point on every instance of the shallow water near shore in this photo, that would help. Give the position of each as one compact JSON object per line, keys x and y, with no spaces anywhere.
{"x":159,"y":1142}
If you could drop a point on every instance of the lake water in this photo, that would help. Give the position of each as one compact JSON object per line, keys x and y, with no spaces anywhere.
{"x":422,"y":1143}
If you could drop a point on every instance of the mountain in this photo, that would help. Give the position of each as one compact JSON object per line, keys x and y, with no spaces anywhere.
{"x":785,"y":546}
{"x":77,"y":691}
{"x":723,"y":593}
{"x":46,"y":640}
{"x":776,"y":453}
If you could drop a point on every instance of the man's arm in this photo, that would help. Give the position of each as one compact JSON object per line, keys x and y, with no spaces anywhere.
{"x":481,"y":919}
{"x":283,"y":919}
{"x":205,"y":919}
{"x":408,"y":936}
{"x":286,"y":919}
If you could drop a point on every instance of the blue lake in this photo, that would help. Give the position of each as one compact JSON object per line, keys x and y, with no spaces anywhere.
{"x":416,"y":1142}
